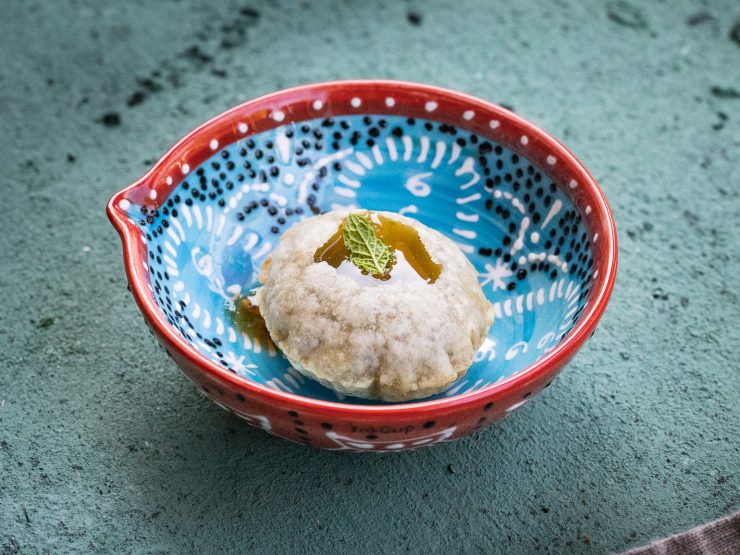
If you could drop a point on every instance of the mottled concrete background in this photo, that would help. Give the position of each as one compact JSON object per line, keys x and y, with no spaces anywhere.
{"x":105,"y":446}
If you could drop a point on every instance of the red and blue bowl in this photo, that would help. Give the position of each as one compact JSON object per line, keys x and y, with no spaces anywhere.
{"x":198,"y":226}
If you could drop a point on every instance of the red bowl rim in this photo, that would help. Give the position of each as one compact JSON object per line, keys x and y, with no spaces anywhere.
{"x":601,"y":290}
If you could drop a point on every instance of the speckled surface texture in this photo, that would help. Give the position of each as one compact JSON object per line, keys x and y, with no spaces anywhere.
{"x":104,"y":444}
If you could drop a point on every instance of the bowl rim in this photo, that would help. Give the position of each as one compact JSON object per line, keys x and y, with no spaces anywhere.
{"x":601,"y":291}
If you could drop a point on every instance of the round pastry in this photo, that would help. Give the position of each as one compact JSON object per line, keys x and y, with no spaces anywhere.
{"x":373,"y":304}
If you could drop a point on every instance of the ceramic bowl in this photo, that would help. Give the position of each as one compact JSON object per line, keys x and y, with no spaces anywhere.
{"x":198,"y":226}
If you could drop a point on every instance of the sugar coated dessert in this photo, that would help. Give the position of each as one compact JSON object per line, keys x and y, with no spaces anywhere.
{"x":373,"y":304}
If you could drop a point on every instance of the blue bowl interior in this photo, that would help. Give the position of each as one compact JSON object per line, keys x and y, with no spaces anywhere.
{"x":520,"y":231}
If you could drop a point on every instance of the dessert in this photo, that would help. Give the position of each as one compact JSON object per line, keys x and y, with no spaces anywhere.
{"x":373,"y":304}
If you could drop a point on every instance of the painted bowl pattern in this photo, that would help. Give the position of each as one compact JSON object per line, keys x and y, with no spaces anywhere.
{"x":200,"y":224}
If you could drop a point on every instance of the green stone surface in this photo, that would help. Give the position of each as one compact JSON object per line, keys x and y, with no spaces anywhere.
{"x":106,"y":447}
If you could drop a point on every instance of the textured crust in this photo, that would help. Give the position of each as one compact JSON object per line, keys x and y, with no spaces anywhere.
{"x":391,"y":342}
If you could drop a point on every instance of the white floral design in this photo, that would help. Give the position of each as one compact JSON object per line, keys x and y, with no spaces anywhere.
{"x":495,"y":275}
{"x":237,"y":364}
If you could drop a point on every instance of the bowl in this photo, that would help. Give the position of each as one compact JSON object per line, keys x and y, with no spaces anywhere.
{"x":198,"y":226}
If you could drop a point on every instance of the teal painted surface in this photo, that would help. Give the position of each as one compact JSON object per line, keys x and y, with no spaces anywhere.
{"x":637,"y":439}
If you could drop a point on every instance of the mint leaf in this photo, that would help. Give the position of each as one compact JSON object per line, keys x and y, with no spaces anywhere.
{"x":366,"y":250}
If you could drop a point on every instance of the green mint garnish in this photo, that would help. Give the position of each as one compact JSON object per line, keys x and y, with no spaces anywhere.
{"x":366,"y":250}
